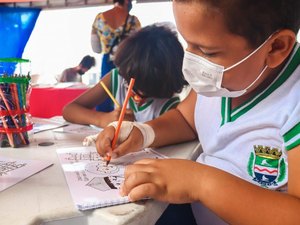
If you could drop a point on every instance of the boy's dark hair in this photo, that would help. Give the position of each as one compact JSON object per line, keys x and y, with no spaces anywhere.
{"x":87,"y":62}
{"x":153,"y":56}
{"x":256,"y":20}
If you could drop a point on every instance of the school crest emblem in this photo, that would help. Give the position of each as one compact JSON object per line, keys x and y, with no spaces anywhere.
{"x":266,"y":166}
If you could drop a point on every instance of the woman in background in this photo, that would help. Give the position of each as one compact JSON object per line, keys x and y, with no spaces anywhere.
{"x":108,"y":26}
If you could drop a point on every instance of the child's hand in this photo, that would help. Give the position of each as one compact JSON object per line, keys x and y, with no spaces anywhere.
{"x":130,"y":139}
{"x":114,"y":115}
{"x":168,"y":180}
{"x":129,"y":115}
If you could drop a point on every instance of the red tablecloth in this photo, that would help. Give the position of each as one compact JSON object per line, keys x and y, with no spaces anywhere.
{"x":48,"y":102}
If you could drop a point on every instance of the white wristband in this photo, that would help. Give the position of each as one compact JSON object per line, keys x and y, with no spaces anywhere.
{"x":147,"y":132}
{"x":126,"y":128}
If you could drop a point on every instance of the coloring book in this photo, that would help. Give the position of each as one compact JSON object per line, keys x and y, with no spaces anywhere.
{"x":93,"y":184}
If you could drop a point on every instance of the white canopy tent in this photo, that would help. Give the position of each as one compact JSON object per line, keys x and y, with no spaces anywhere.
{"x":56,"y":4}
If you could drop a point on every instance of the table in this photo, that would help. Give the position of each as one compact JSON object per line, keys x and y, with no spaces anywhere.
{"x":46,"y":102}
{"x":44,"y":198}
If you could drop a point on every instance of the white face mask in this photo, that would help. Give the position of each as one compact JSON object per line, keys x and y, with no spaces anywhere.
{"x":206,"y":77}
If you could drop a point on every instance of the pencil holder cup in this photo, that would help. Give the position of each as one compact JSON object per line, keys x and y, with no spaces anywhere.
{"x":15,"y":120}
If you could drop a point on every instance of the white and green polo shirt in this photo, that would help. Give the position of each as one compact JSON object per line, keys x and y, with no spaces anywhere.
{"x":252,"y":140}
{"x":152,"y":108}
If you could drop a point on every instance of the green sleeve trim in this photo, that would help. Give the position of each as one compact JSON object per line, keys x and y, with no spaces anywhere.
{"x":292,"y":133}
{"x":293,"y":145}
{"x":292,"y":137}
{"x":171,"y":103}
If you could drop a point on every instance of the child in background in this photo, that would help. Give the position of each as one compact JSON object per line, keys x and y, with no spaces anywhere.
{"x":153,"y":56}
{"x":242,"y":62}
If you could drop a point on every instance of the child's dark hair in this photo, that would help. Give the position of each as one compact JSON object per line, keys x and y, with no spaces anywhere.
{"x":153,"y":56}
{"x":121,"y":2}
{"x":88,"y":61}
{"x":256,"y":20}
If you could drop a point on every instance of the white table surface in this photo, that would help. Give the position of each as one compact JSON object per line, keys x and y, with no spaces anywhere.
{"x":44,"y":198}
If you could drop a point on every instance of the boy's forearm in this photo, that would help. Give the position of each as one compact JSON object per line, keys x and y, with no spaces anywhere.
{"x":176,"y":125}
{"x":171,"y":128}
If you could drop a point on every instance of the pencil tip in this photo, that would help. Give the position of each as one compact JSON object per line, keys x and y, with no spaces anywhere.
{"x":107,"y":162}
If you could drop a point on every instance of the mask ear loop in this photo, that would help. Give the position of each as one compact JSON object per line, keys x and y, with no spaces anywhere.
{"x":248,"y":56}
{"x":261,"y":73}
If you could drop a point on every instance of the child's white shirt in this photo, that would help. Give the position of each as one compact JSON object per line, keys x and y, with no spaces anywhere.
{"x":251,"y":141}
{"x":153,"y":108}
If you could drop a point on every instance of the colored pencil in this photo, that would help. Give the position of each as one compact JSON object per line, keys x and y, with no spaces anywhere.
{"x":9,"y":135}
{"x":13,"y":119}
{"x":121,"y":117}
{"x":110,"y":94}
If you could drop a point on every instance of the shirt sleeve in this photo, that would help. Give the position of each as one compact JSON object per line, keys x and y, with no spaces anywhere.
{"x":95,"y":23}
{"x":169,"y":104}
{"x":291,"y":130}
{"x":63,"y":77}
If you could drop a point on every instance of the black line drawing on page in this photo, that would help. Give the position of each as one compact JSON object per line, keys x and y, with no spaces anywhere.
{"x":106,"y":183}
{"x":101,"y":169}
{"x":6,"y":167}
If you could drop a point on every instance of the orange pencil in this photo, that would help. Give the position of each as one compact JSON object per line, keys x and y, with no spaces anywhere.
{"x":122,"y":114}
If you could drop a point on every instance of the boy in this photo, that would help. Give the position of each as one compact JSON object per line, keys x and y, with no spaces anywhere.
{"x":242,"y":63}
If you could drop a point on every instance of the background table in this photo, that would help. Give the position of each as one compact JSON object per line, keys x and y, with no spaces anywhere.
{"x":45,"y":199}
{"x":46,"y":102}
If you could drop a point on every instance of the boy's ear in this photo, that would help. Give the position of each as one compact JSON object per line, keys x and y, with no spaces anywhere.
{"x":282,"y":44}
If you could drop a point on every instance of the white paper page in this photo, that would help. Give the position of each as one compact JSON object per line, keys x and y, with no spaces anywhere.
{"x":72,"y":85}
{"x":40,"y":124}
{"x":79,"y":129}
{"x":64,"y":84}
{"x":13,"y":170}
{"x":93,"y":184}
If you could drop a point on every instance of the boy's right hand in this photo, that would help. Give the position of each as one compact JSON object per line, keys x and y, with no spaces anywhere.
{"x":128,"y":141}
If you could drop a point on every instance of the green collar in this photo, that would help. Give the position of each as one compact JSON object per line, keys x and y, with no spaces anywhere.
{"x":230,"y":116}
{"x":137,"y":108}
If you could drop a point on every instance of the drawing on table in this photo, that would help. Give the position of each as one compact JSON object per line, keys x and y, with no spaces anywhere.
{"x":8,"y":166}
{"x":93,"y":184}
{"x":106,"y":183}
{"x":79,"y":156}
{"x":101,"y":169}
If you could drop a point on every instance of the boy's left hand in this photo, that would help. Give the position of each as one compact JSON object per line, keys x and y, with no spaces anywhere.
{"x":167,"y":180}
